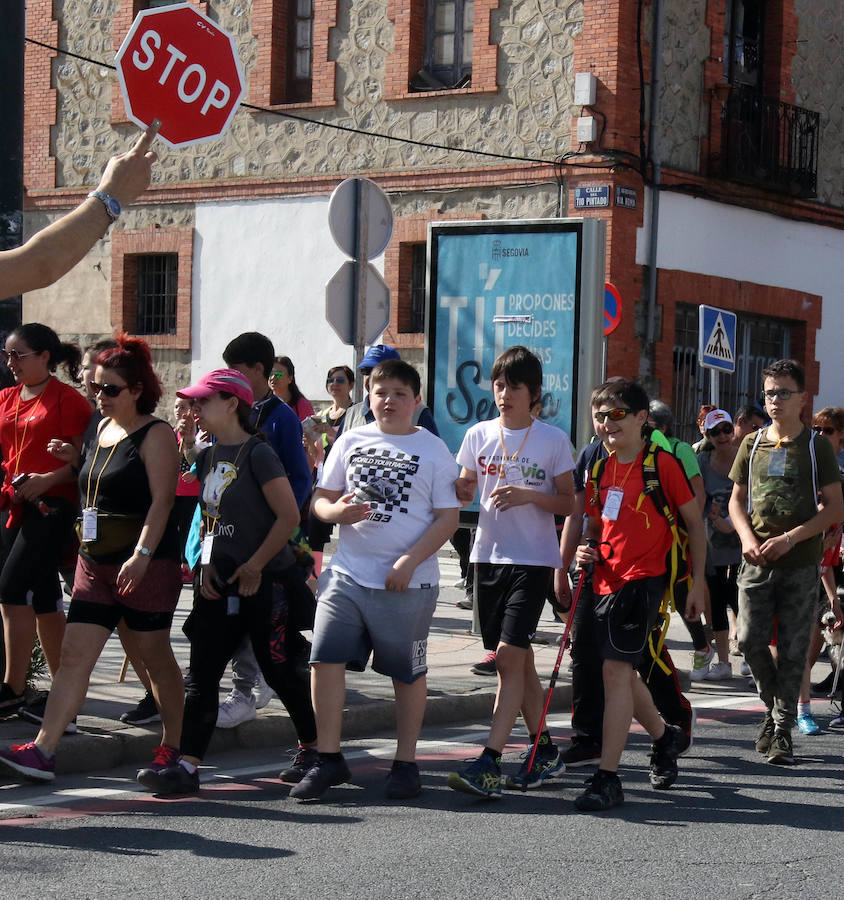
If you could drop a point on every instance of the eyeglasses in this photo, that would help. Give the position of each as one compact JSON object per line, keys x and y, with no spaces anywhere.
{"x":828,"y":430}
{"x":337,"y":379}
{"x":726,"y":428}
{"x":779,"y":394}
{"x":281,"y":374}
{"x":615,"y":415}
{"x":110,"y":390}
{"x":13,"y":354}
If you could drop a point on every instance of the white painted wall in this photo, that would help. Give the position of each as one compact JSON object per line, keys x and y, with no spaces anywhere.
{"x":262,"y":265}
{"x":730,"y":242}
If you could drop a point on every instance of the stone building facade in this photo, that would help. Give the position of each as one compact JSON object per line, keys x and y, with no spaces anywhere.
{"x":270,"y":173}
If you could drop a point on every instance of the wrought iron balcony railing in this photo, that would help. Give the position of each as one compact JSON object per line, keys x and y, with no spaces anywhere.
{"x":770,"y":144}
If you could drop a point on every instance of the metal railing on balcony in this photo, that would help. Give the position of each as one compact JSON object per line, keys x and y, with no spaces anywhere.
{"x":770,"y":144}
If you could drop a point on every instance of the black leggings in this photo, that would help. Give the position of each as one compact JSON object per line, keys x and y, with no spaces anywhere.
{"x":215,"y":629}
{"x":723,"y":592}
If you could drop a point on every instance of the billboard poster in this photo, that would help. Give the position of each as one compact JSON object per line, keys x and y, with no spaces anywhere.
{"x":493,"y":285}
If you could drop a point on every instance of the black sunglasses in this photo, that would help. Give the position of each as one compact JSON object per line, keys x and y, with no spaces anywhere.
{"x":110,"y":390}
{"x":823,"y":429}
{"x":726,"y":428}
{"x":337,"y":379}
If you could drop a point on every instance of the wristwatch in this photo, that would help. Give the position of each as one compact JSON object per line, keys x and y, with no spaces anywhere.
{"x":110,"y":203}
{"x":144,"y":551}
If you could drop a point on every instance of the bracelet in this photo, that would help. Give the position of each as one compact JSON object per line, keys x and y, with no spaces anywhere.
{"x":788,"y":538}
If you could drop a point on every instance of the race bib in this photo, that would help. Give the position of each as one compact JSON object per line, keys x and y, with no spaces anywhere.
{"x":207,"y":547}
{"x":612,"y":505}
{"x":89,"y":524}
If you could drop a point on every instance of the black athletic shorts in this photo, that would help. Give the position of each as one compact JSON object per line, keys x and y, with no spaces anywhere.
{"x":625,"y":618}
{"x":510,"y":600}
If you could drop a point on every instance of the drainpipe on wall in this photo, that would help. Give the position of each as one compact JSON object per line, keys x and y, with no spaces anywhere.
{"x":646,"y":361}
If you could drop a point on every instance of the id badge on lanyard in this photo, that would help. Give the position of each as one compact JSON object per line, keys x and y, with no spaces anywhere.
{"x":776,"y":462}
{"x":612,"y":505}
{"x":207,"y":547}
{"x":89,"y":523}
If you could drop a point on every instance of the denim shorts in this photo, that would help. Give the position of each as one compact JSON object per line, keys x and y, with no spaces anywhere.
{"x":353,"y":621}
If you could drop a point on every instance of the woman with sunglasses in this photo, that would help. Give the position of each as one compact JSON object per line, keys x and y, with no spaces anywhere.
{"x":249,"y":513}
{"x":339,"y":383}
{"x":723,"y":547}
{"x":282,"y":382}
{"x":128,"y":565}
{"x":38,"y":501}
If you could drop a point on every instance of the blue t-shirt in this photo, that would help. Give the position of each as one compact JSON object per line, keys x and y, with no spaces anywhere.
{"x":283,"y":430}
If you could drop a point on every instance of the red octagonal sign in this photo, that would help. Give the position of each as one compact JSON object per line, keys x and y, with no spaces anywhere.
{"x":178,"y":66}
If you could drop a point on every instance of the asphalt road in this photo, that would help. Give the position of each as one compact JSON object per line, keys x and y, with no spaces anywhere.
{"x":732,"y":827}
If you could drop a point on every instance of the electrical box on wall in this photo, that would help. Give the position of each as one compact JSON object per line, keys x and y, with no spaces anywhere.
{"x":587,"y":129}
{"x":585,"y":89}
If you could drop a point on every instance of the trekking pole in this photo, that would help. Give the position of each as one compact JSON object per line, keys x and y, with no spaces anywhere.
{"x":556,"y":672}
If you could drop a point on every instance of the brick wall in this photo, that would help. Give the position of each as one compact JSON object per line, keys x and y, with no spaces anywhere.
{"x":39,"y":110}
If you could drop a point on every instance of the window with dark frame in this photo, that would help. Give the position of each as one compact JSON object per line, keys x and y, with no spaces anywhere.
{"x":449,"y":31}
{"x":157,"y":285}
{"x":417,"y":288}
{"x":300,"y":43}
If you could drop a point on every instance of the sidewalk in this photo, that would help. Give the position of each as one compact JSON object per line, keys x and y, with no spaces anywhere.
{"x":455,"y":694}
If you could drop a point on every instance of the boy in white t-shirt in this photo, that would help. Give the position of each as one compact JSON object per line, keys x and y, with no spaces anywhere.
{"x":390,"y":487}
{"x":523,"y":468}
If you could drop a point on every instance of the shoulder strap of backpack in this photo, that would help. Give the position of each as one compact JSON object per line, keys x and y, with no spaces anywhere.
{"x":749,"y":469}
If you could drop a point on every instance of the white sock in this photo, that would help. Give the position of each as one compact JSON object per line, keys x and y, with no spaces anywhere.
{"x":804,"y":709}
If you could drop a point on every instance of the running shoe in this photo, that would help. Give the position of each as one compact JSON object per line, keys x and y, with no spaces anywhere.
{"x":765,"y":735}
{"x":465,"y":603}
{"x":29,"y":761}
{"x":236,"y":709}
{"x":808,"y":725}
{"x":163,"y":757}
{"x":325,"y":773}
{"x":547,"y":764}
{"x":781,"y":751}
{"x":460,"y":583}
{"x":403,"y":782}
{"x":262,"y":693}
{"x":581,"y":753}
{"x":664,"y":753}
{"x":34,"y":712}
{"x":700,"y":663}
{"x":837,"y":724}
{"x":719,"y":671}
{"x":603,"y":792}
{"x":145,"y":711}
{"x":304,"y":760}
{"x":481,"y":776}
{"x":173,"y":780}
{"x":486,"y":666}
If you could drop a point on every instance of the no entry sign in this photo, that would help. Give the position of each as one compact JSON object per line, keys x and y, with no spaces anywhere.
{"x":178,"y":66}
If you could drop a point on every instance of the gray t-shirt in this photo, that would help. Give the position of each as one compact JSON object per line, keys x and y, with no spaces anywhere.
{"x":233,"y":502}
{"x":721,"y":549}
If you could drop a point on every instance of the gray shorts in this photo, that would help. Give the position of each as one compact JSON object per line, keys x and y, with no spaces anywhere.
{"x":353,"y":621}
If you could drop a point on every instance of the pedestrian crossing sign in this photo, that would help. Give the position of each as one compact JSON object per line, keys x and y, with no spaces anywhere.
{"x":717,"y":348}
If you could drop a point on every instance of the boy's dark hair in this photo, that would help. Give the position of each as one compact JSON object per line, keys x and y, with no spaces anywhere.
{"x":621,"y":390}
{"x":249,"y":349}
{"x":398,"y":369}
{"x":519,"y":366}
{"x":748,"y":411}
{"x":786,"y":368}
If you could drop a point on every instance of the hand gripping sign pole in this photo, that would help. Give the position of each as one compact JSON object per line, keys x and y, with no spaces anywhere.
{"x":564,"y":640}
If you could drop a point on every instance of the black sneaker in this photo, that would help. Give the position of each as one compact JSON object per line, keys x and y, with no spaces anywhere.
{"x":403,"y":782}
{"x":10,"y":702}
{"x":547,"y":764}
{"x":581,"y":754}
{"x":145,"y":712}
{"x":172,"y":780}
{"x":305,"y":759}
{"x":325,"y":773}
{"x":663,"y":771}
{"x":603,"y":791}
{"x":823,"y":688}
{"x":781,"y":752}
{"x":34,"y":712}
{"x":486,"y":666}
{"x":765,"y":735}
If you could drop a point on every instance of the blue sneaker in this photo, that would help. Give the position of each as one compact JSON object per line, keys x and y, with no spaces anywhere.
{"x":547,"y":764}
{"x":482,"y":777}
{"x":808,"y":725}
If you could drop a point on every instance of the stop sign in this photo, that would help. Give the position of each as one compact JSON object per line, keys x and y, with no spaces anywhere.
{"x":178,"y":66}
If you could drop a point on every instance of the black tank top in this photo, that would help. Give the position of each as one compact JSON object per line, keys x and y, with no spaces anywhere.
{"x":123,"y":483}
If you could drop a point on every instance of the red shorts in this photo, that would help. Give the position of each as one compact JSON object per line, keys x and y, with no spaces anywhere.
{"x":158,"y":592}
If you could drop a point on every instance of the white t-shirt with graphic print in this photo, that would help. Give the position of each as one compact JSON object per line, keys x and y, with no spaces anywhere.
{"x":522,"y":535}
{"x":403,"y":478}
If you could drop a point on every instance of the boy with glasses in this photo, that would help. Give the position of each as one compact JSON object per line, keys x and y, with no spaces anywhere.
{"x":778,"y":474}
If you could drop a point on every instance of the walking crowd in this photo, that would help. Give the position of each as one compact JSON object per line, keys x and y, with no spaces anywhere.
{"x":740,"y":535}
